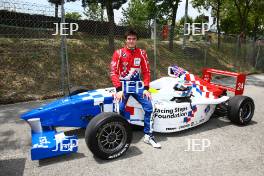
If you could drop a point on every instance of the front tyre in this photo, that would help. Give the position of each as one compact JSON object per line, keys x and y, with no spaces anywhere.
{"x":241,"y":109}
{"x":108,"y":135}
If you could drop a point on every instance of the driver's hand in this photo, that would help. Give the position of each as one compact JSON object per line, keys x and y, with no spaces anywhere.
{"x":119,"y":96}
{"x":147,"y":94}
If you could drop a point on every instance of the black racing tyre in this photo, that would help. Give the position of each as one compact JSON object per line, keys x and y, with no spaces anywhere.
{"x":77,"y":89}
{"x":108,"y":135}
{"x":241,"y":109}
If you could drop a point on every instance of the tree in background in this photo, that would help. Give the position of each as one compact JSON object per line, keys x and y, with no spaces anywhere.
{"x":256,"y":28}
{"x":249,"y":22}
{"x":189,"y":20}
{"x":180,"y":24}
{"x":256,"y":18}
{"x":243,"y":8}
{"x":73,"y":15}
{"x":201,"y":19}
{"x":229,"y":19}
{"x":57,"y":3}
{"x":216,"y":6}
{"x":169,"y":8}
{"x":139,"y":13}
{"x":95,"y":12}
{"x":110,"y":5}
{"x":244,"y":18}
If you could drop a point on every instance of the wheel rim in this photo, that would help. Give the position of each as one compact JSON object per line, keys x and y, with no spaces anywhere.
{"x":245,"y":111}
{"x":112,"y":137}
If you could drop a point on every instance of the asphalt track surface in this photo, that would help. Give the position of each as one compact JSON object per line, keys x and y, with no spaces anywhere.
{"x":233,"y":150}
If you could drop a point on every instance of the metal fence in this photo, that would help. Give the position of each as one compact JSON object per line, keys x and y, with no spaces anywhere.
{"x":233,"y":54}
{"x":29,"y":66}
{"x":35,"y":64}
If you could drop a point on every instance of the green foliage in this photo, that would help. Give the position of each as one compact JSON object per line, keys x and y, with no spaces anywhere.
{"x":229,"y":19}
{"x":256,"y":20}
{"x":139,"y":13}
{"x":243,"y":15}
{"x":95,"y":12}
{"x":215,"y":5}
{"x":168,"y":10}
{"x":189,"y":20}
{"x":73,"y":15}
{"x":201,"y":19}
{"x":204,"y":4}
{"x":110,"y":5}
{"x":166,"y":7}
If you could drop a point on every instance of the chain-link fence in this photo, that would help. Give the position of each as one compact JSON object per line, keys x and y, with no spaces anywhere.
{"x":233,"y":53}
{"x":90,"y":51}
{"x":34,"y":57}
{"x":36,"y":48}
{"x":29,"y":66}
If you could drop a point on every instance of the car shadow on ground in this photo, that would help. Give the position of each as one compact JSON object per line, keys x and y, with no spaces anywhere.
{"x":62,"y":158}
{"x":7,"y":137}
{"x":12,"y":166}
{"x":79,"y":132}
{"x":213,"y":123}
{"x":131,"y":152}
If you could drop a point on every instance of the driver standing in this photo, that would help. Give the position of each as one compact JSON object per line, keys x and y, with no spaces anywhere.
{"x":126,"y":67}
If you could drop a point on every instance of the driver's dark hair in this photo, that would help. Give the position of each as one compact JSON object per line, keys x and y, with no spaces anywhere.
{"x":131,"y":32}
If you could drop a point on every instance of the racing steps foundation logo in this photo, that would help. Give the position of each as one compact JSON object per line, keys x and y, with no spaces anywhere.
{"x":171,"y":113}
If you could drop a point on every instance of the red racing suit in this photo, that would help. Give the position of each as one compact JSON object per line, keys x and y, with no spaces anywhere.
{"x":128,"y":65}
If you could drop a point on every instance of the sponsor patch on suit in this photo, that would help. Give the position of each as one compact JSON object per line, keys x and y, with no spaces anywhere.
{"x":137,"y":61}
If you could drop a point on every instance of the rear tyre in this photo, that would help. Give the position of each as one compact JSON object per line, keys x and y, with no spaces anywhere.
{"x":241,"y":109}
{"x":108,"y":135}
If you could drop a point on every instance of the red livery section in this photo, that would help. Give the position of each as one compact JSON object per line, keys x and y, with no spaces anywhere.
{"x":240,"y":80}
{"x":130,"y":110}
{"x":204,"y":86}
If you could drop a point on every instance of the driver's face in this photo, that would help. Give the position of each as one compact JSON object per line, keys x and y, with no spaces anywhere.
{"x":131,"y":41}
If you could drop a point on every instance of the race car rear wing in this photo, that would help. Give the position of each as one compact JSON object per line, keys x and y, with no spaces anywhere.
{"x":240,"y":79}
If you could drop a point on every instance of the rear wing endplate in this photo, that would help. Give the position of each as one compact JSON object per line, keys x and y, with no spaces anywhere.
{"x":240,"y":79}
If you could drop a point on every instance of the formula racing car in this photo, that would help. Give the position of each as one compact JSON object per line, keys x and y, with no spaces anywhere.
{"x":180,"y":101}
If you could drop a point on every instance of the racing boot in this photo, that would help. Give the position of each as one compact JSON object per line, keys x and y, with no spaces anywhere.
{"x":149,"y":139}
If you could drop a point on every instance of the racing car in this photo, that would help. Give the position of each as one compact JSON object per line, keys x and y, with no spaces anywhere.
{"x":180,"y":101}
